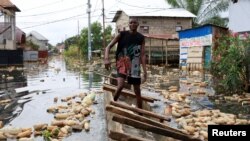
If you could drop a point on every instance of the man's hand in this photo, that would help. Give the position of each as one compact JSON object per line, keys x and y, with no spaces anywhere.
{"x":107,"y":64}
{"x":144,"y":79}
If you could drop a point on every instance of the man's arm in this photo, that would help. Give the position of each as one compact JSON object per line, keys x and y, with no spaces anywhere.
{"x":107,"y":49}
{"x":143,"y":60}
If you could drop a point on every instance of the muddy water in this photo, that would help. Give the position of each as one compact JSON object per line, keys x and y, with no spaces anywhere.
{"x":40,"y":84}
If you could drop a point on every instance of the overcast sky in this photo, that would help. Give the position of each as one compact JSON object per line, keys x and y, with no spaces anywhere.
{"x":58,"y":19}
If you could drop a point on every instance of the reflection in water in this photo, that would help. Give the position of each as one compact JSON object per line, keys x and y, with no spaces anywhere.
{"x":12,"y":77}
{"x":90,"y":79}
{"x":11,"y":103}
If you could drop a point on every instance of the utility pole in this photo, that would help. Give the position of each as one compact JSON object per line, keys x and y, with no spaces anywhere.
{"x":89,"y":30}
{"x":79,"y":51}
{"x":103,"y":24}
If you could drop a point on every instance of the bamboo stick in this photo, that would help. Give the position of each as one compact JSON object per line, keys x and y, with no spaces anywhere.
{"x":154,"y":129}
{"x":141,"y":111}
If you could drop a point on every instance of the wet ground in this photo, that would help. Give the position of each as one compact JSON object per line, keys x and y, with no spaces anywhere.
{"x":35,"y":92}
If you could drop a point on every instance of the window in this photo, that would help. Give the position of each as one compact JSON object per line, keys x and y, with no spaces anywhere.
{"x":178,"y":28}
{"x":144,"y":29}
{"x":144,"y":22}
{"x":178,"y":23}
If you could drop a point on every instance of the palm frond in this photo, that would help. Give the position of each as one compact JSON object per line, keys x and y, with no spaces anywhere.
{"x":216,"y":20}
{"x":174,"y":3}
{"x":212,"y":9}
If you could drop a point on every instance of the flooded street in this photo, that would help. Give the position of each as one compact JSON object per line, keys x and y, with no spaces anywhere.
{"x":45,"y":82}
{"x":27,"y":92}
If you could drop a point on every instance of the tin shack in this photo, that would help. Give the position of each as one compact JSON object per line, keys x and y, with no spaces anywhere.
{"x":197,"y":45}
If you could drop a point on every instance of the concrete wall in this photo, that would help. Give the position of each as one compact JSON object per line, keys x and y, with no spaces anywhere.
{"x":239,"y":16}
{"x":157,"y":25}
{"x":8,"y":46}
{"x":122,"y":22}
{"x":164,"y":25}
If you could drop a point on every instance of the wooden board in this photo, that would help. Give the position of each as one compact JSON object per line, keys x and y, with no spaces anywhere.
{"x":125,"y":137}
{"x":154,"y":129}
{"x":112,"y":89}
{"x":141,"y":111}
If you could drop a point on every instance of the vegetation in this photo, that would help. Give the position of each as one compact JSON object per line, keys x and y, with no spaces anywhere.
{"x":46,"y":135}
{"x":50,"y":46}
{"x":96,"y":30}
{"x":230,"y":69}
{"x":74,"y":42}
{"x":207,"y":11}
{"x":72,"y":51}
{"x":32,"y":45}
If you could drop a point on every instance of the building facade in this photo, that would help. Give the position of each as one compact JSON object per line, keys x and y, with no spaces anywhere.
{"x":8,"y":25}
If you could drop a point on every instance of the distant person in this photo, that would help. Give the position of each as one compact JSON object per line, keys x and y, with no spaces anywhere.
{"x":129,"y":57}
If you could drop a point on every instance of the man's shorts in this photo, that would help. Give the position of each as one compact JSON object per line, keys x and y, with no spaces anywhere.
{"x":123,"y":67}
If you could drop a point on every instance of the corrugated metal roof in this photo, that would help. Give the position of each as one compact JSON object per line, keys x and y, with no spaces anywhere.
{"x":162,"y":36}
{"x":172,"y":12}
{"x":37,"y":35}
{"x":9,"y":5}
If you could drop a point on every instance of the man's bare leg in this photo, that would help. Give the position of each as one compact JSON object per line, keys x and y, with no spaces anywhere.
{"x":120,"y":85}
{"x":137,"y":91}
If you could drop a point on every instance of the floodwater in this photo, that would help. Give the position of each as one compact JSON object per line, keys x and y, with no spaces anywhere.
{"x":33,"y":87}
{"x":32,"y":90}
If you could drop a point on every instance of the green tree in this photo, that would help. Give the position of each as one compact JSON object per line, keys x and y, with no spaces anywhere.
{"x":230,"y":70}
{"x":108,"y":34}
{"x":96,"y":35}
{"x":84,"y":41}
{"x":96,"y":31}
{"x":50,"y":46}
{"x":71,"y":41}
{"x":205,"y":10}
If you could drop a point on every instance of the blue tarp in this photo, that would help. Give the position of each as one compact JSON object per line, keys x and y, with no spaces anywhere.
{"x":196,"y":32}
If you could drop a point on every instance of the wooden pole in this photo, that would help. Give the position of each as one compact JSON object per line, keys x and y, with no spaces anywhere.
{"x":103,"y":26}
{"x":149,"y":52}
{"x":125,"y":137}
{"x":162,"y":52}
{"x":166,"y":52}
{"x":141,"y":111}
{"x":154,"y":129}
{"x":112,"y":88}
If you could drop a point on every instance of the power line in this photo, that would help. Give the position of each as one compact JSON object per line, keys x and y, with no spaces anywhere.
{"x":51,"y":12}
{"x":139,"y":6}
{"x":55,"y":21}
{"x":95,"y":5}
{"x":48,"y":4}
